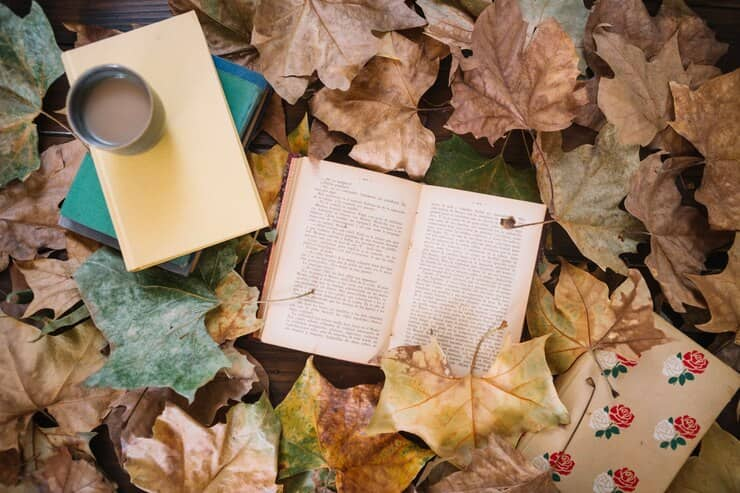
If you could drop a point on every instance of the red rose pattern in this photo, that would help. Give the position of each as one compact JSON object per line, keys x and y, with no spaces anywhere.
{"x":562,"y":463}
{"x":686,"y":426}
{"x":626,"y":479}
{"x":695,"y":362}
{"x":621,"y":416}
{"x":626,"y":361}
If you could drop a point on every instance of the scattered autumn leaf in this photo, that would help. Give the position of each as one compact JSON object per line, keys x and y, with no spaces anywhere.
{"x":299,"y":137}
{"x":273,"y":120}
{"x":236,"y":315}
{"x":268,"y":169}
{"x":47,"y":376}
{"x":87,"y":34}
{"x":447,"y":23}
{"x":154,"y":321}
{"x":323,"y":141}
{"x":457,"y":165}
{"x":722,"y":294}
{"x":583,"y":189}
{"x":380,"y":108}
{"x":335,"y":39}
{"x":30,"y":61}
{"x":709,"y":118}
{"x":29,"y":211}
{"x":240,"y":455}
{"x":323,"y":429}
{"x":582,"y":317}
{"x":509,"y":84}
{"x":455,"y":415}
{"x":61,"y":474}
{"x":716,"y":468}
{"x":680,"y":238}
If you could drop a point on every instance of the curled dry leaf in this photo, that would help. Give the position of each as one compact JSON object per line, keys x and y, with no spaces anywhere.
{"x":497,"y":468}
{"x":48,"y":375}
{"x":268,"y":169}
{"x":380,"y":108}
{"x":582,"y":317}
{"x":323,"y":141}
{"x":447,"y":23}
{"x":455,"y":415}
{"x":323,"y":428}
{"x":30,"y":61}
{"x":509,"y":83}
{"x":240,"y":455}
{"x":89,"y":34}
{"x":236,"y":315}
{"x":335,"y":39}
{"x":61,"y":474}
{"x":583,"y":189}
{"x":709,"y":118}
{"x":29,"y":211}
{"x":680,"y":238}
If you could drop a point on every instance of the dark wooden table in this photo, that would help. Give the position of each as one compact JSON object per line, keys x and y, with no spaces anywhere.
{"x":282,"y":365}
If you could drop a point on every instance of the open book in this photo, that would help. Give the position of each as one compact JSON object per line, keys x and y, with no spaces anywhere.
{"x":393,"y":261}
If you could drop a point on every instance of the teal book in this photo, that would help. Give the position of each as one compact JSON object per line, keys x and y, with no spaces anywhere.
{"x":84,"y":210}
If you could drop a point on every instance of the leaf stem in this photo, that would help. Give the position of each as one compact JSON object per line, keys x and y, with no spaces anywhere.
{"x":592,"y":384}
{"x":510,"y":223}
{"x":291,"y":298}
{"x":485,"y":336}
{"x":614,"y":392}
{"x":55,"y":120}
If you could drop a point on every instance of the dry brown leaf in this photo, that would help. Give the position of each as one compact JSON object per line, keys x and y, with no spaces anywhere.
{"x":380,"y":108}
{"x":722,"y":293}
{"x":61,"y":474}
{"x":322,"y":141}
{"x":236,"y":315}
{"x":508,"y":84}
{"x":89,"y":34}
{"x":273,"y":120}
{"x":589,"y":115}
{"x":48,"y":375}
{"x":709,"y":118}
{"x":268,"y":169}
{"x":447,"y":23}
{"x":29,"y":210}
{"x":333,"y":38}
{"x":680,"y":237}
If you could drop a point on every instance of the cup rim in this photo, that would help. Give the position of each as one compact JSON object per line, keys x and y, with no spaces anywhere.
{"x":88,"y":137}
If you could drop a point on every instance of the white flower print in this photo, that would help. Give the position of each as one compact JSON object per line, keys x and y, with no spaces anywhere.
{"x":664,"y":431}
{"x":599,"y":420}
{"x":672,"y":367}
{"x":607,"y":359}
{"x":541,"y":463}
{"x":603,"y":483}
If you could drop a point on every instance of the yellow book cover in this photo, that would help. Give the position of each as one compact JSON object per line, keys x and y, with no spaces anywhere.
{"x":194,"y":188}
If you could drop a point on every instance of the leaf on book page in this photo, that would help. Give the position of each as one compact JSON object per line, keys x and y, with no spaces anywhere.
{"x":379,"y":110}
{"x":184,"y":456}
{"x":680,"y":238}
{"x":154,"y":321}
{"x":454,"y":415}
{"x":582,"y":317}
{"x":268,"y":169}
{"x":457,"y":165}
{"x":29,"y":210}
{"x":236,"y":315}
{"x":709,"y":118}
{"x":47,"y":375}
{"x":497,"y":467}
{"x":447,"y":23}
{"x":716,"y":468}
{"x":30,"y":62}
{"x":323,"y":429}
{"x":509,"y":83}
{"x":583,"y":189}
{"x":296,"y":38}
{"x":62,"y":473}
{"x":722,"y":294}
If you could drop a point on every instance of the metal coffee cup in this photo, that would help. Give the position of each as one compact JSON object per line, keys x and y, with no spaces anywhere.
{"x":140,"y":139}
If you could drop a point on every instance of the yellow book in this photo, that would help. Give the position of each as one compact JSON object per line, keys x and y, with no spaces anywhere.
{"x":194,"y":188}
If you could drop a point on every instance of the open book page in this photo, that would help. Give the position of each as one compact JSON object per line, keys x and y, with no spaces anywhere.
{"x":344,"y":232}
{"x":465,"y":273}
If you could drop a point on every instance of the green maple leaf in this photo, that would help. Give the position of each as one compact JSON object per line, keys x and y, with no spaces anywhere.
{"x":457,"y":165}
{"x":154,"y":321}
{"x":30,"y":61}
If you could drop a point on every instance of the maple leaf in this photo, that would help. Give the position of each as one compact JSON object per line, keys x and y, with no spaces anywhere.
{"x":379,"y":110}
{"x":583,"y":189}
{"x":154,"y":322}
{"x":333,"y":38}
{"x":722,"y":293}
{"x":581,"y":317}
{"x":323,"y":429}
{"x":227,"y":25}
{"x":637,"y":100}
{"x":457,"y":165}
{"x":508,"y":83}
{"x":268,"y":169}
{"x":497,"y":467}
{"x":240,"y":455}
{"x":29,"y":211}
{"x":454,"y":415}
{"x":714,"y":469}
{"x":447,"y":23}
{"x":236,"y":315}
{"x":60,"y":474}
{"x":46,"y":376}
{"x":709,"y":118}
{"x":30,"y":61}
{"x":680,"y":238}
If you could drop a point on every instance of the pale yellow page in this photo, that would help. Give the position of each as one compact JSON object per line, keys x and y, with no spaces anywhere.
{"x":465,"y":273}
{"x":347,"y":237}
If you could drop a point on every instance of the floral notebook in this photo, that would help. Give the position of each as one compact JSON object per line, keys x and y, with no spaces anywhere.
{"x":637,"y":441}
